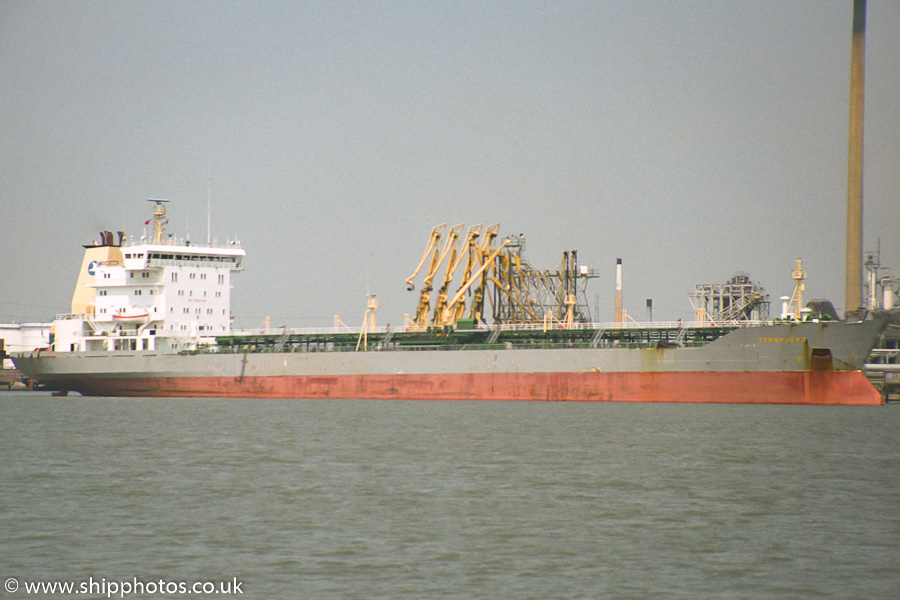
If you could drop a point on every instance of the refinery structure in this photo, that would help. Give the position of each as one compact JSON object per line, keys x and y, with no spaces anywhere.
{"x":737,"y":299}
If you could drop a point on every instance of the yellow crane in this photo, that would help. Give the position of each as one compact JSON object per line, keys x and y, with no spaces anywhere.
{"x":518,"y":293}
{"x":569,"y":282}
{"x":476,"y":309}
{"x":474,"y":253}
{"x":438,"y":255}
{"x":509,"y":281}
{"x":435,"y":238}
{"x":452,"y":264}
{"x":432,"y":249}
{"x":447,"y":318}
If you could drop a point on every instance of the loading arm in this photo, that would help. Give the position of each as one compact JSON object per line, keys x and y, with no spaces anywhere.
{"x":448,"y":312}
{"x":476,"y":308}
{"x":437,"y":259}
{"x":433,"y":241}
{"x":452,"y":264}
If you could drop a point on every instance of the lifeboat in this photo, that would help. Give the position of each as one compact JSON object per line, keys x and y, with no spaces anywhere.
{"x":136,"y":316}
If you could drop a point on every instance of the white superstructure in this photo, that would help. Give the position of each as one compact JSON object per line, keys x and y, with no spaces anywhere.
{"x":21,"y":337}
{"x":158,"y":293}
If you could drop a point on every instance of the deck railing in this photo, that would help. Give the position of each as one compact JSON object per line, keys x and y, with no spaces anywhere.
{"x":506,"y":327}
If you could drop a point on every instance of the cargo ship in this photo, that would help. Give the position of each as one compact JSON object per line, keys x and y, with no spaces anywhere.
{"x":152,"y":317}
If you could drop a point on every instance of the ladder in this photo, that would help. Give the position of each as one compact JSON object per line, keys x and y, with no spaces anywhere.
{"x":598,"y":335}
{"x":279,"y":345}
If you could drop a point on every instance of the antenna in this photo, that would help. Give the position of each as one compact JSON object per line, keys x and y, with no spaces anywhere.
{"x":208,"y":196}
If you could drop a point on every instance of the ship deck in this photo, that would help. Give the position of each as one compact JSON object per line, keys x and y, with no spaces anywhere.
{"x":580,"y":335}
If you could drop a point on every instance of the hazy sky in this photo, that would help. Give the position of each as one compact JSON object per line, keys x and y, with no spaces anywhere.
{"x":691,"y":139}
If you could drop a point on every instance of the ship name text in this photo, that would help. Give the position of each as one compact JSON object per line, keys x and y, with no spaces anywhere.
{"x":781,"y":340}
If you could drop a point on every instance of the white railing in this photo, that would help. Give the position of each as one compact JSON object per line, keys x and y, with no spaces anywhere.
{"x":165,"y":262}
{"x":178,"y":241}
{"x":343,"y":329}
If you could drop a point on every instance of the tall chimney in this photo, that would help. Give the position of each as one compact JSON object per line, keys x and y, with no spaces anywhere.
{"x":619,"y":317}
{"x":853,"y":287}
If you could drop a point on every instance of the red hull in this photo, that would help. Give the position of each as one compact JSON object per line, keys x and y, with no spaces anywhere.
{"x":816,"y":387}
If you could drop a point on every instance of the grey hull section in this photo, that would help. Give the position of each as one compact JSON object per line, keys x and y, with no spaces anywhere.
{"x":797,"y":347}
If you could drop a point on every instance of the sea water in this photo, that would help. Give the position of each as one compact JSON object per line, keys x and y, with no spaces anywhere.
{"x":332,"y":499}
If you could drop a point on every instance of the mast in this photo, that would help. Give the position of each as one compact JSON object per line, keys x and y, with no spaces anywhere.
{"x":159,"y":219}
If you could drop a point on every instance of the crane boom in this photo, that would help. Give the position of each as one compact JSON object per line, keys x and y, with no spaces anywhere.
{"x":433,"y":241}
{"x":448,"y":312}
{"x":452,"y":264}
